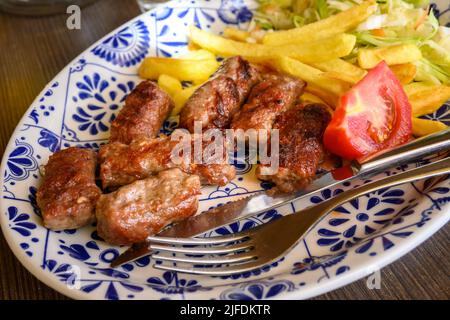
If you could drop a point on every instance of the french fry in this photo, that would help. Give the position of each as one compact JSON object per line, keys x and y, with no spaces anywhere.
{"x":405,"y":73}
{"x":314,"y":77}
{"x":184,"y":70}
{"x":181,"y":97}
{"x":415,"y":87}
{"x":423,"y":127}
{"x":309,"y":97}
{"x":428,"y":99}
{"x":398,"y":54}
{"x":333,"y":25}
{"x":236,"y":34}
{"x":169,"y":84}
{"x":200,"y":54}
{"x":330,"y":99}
{"x":335,"y":47}
{"x":339,"y":76}
{"x":341,"y":69}
{"x":192,"y":46}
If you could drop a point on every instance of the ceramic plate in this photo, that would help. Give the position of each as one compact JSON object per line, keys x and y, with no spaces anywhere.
{"x":76,"y":109}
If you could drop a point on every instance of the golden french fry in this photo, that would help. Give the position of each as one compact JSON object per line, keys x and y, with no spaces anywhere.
{"x":330,"y":99}
{"x":200,"y":54}
{"x":169,"y":84}
{"x":314,"y":77}
{"x":183,"y":70}
{"x":339,"y":76}
{"x":403,"y":53}
{"x":334,"y":47}
{"x":405,"y":73}
{"x":192,"y":46}
{"x":180,"y":98}
{"x":415,"y":87}
{"x":428,"y":99}
{"x":236,"y":34}
{"x":333,"y":25}
{"x":341,"y":69}
{"x":309,"y":97}
{"x":423,"y":127}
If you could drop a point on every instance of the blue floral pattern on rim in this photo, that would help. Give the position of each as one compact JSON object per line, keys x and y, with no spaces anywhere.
{"x":258,"y":290}
{"x":348,"y":234}
{"x":19,"y":222}
{"x":21,"y":162}
{"x":99,"y":111}
{"x":127,"y":47}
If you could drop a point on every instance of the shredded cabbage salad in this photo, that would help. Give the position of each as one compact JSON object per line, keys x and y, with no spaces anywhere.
{"x":395,"y":22}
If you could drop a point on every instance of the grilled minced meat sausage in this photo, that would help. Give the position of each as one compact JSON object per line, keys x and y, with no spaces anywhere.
{"x":143,"y":208}
{"x":121,"y":164}
{"x":275,"y":94}
{"x":68,"y":193}
{"x":145,"y":110}
{"x":301,"y":149}
{"x":215,"y":102}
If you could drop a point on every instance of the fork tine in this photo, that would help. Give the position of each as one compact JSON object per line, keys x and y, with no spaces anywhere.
{"x":202,"y":250}
{"x":235,"y":258}
{"x":199,"y":241}
{"x":240,"y":268}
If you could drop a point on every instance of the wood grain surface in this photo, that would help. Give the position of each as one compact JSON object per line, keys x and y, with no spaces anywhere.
{"x":34,"y":50}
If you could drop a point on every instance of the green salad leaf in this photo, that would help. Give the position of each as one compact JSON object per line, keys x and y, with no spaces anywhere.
{"x":428,"y":71}
{"x":395,"y":22}
{"x":322,"y":8}
{"x":418,"y":3}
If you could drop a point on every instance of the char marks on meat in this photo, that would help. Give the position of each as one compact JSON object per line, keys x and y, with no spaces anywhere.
{"x":151,"y":190}
{"x":138,"y":210}
{"x":215,"y":102}
{"x":275,"y":94}
{"x":145,"y":110}
{"x":68,"y":193}
{"x":122,"y":164}
{"x":300,"y":148}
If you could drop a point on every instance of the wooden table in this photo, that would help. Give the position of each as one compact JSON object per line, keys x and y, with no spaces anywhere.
{"x":33,"y":50}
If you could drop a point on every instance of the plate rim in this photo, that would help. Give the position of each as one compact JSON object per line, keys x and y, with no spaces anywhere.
{"x":35,"y":270}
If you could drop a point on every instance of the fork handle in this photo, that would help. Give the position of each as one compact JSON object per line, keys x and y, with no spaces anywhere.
{"x":415,"y":149}
{"x":313,"y":214}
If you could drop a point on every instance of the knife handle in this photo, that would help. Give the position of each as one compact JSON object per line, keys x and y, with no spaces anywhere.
{"x":415,"y":149}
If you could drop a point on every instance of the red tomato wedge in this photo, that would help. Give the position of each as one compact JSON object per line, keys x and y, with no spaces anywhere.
{"x":374,"y":115}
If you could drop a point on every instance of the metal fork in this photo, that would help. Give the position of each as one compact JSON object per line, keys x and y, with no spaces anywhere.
{"x":254,"y":248}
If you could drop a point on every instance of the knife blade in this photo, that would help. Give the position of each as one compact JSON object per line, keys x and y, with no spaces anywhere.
{"x":233,"y":211}
{"x":245,"y":207}
{"x":263,"y":201}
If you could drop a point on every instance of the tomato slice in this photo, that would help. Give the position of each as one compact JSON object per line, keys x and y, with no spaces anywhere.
{"x":373,"y":115}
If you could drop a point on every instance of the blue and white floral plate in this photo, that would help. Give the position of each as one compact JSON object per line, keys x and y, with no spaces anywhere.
{"x":76,"y":109}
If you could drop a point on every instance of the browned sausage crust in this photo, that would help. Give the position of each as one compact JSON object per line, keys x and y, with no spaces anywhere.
{"x":216,"y":101}
{"x":143,"y":208}
{"x":68,"y":193}
{"x":300,"y":147}
{"x":275,"y":94}
{"x":145,"y":110}
{"x":121,"y":164}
